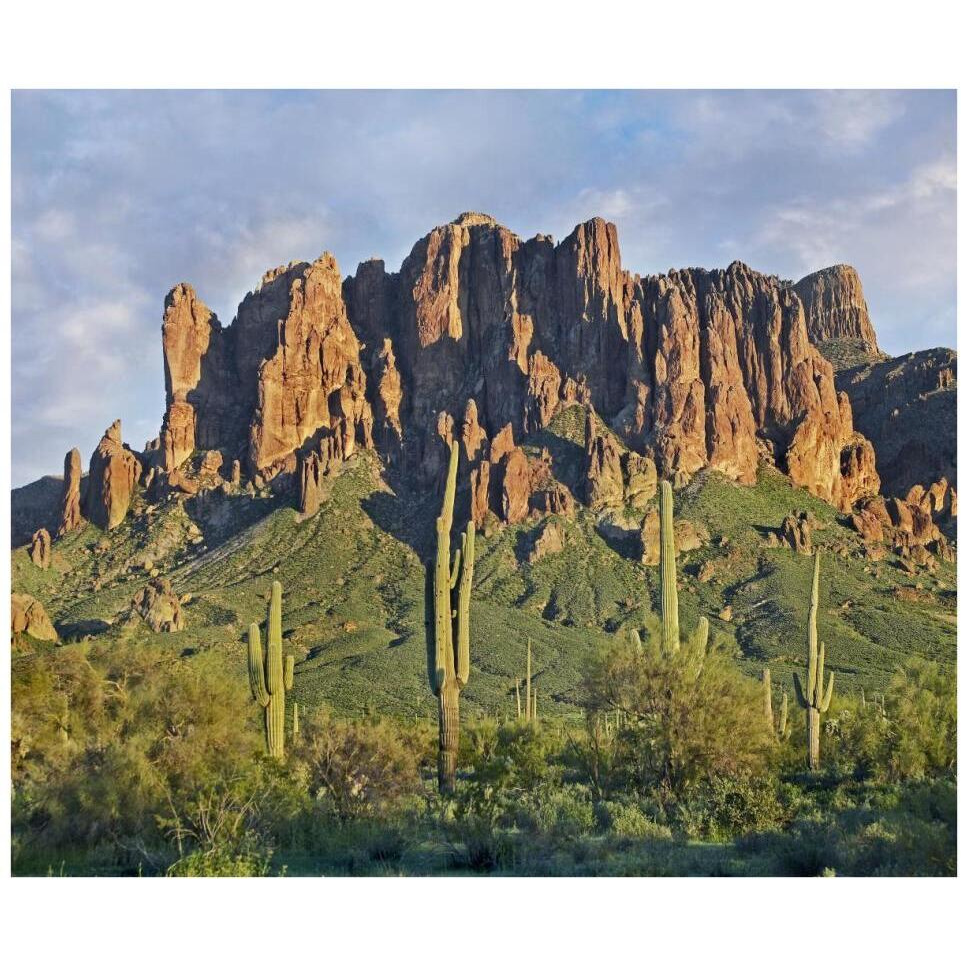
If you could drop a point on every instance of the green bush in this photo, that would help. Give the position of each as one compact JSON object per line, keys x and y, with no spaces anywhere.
{"x":684,"y":719}
{"x":356,"y":768}
{"x":726,"y":807}
{"x":631,"y":821}
{"x":559,"y":812}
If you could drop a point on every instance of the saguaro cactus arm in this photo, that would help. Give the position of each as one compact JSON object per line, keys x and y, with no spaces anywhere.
{"x":699,"y":638}
{"x":800,"y":692}
{"x":826,"y":700}
{"x":288,"y":672}
{"x":255,"y":666}
{"x":463,"y":605}
{"x":768,"y":704}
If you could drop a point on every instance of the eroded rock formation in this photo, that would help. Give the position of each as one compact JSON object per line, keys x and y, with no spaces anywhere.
{"x":158,"y":607}
{"x":483,"y":337}
{"x":70,"y":515}
{"x":834,"y":305}
{"x":907,"y":408}
{"x":691,"y":368}
{"x":112,"y":479}
{"x":285,"y":374}
{"x":41,"y":550}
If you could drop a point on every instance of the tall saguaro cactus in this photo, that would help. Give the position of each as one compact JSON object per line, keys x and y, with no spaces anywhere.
{"x":670,"y":625}
{"x":447,"y":608}
{"x":670,"y":630}
{"x":768,"y":704}
{"x":270,"y":679}
{"x":813,"y":696}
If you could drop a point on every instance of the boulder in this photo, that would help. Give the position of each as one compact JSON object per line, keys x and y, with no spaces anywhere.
{"x":27,"y":616}
{"x":550,"y":539}
{"x":158,"y":607}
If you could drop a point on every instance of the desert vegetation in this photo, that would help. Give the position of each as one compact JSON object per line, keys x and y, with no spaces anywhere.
{"x":131,"y":759}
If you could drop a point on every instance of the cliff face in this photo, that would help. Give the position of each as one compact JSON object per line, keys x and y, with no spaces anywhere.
{"x":835,"y":308}
{"x":907,"y":407}
{"x":694,"y":368}
{"x":286,"y":371}
{"x":484,"y":337}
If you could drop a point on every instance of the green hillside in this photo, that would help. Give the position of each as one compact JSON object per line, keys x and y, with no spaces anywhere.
{"x":353,"y":585}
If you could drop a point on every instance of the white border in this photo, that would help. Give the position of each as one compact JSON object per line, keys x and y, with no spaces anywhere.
{"x":448,"y":44}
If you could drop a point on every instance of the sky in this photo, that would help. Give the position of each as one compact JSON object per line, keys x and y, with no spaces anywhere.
{"x":119,"y":195}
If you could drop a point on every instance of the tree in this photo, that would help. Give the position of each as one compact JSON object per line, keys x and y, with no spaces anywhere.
{"x":687,"y":715}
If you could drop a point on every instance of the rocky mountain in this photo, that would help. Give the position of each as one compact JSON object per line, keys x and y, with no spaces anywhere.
{"x":908,"y":408}
{"x":835,"y":307}
{"x":484,"y":338}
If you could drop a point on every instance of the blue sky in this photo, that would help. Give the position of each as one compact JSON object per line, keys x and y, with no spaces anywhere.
{"x":117,"y":196}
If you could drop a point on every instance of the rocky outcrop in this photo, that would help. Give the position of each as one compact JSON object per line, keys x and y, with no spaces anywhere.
{"x":907,"y":408}
{"x":187,"y":328}
{"x":285,"y":374}
{"x":41,"y":550}
{"x":211,"y":464}
{"x":796,"y":532}
{"x":312,"y":383}
{"x":481,"y":333}
{"x":613,"y":476}
{"x":27,"y":616}
{"x":834,"y":306}
{"x":917,"y":521}
{"x":158,"y":607}
{"x":603,"y":482}
{"x":691,"y":368}
{"x":515,"y":487}
{"x":688,"y":536}
{"x":480,"y":479}
{"x":550,"y":539}
{"x":70,"y":515}
{"x":112,"y":479}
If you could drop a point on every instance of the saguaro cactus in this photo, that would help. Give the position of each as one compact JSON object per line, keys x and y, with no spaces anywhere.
{"x":813,"y":696}
{"x":768,"y":704}
{"x":528,"y":689}
{"x":448,"y":628}
{"x":784,"y":726}
{"x":670,"y":626}
{"x":270,"y":679}
{"x":670,"y":631}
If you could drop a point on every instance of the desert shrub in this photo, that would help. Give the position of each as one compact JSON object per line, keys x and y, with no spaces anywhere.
{"x":628,"y":820}
{"x":475,"y":844}
{"x":565,"y":811}
{"x":112,"y":741}
{"x":726,"y":807}
{"x":356,"y":768}
{"x":594,"y":753}
{"x":922,"y":702}
{"x":517,"y":756}
{"x":911,"y":734}
{"x":897,"y":830}
{"x":685,"y":720}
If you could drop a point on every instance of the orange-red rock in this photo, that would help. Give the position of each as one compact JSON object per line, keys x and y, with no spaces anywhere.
{"x":112,"y":479}
{"x":41,"y":550}
{"x":27,"y":616}
{"x":70,"y":515}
